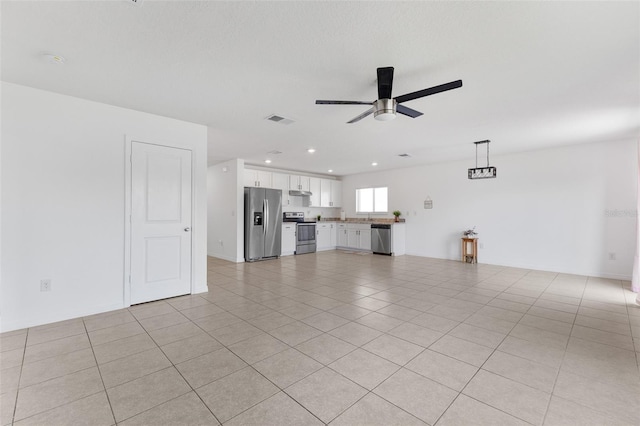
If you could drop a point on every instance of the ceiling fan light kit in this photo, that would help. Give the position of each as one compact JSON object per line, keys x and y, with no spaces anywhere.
{"x":385,"y":107}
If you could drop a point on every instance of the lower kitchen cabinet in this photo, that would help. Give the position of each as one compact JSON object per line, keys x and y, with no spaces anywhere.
{"x":341,"y":235}
{"x":354,"y":236}
{"x":288,"y":239}
{"x":325,"y":236}
{"x":365,"y":238}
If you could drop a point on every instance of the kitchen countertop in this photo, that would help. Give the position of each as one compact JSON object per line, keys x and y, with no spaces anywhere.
{"x":359,"y":220}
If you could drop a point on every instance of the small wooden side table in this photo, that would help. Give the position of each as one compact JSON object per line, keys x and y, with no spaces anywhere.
{"x":470,"y":256}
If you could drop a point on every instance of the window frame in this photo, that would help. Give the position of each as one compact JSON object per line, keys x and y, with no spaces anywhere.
{"x":373,"y":188}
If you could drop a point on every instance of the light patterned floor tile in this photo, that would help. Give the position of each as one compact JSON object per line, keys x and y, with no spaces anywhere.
{"x":326,"y":394}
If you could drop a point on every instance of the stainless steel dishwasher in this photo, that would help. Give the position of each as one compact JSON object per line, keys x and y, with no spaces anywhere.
{"x":381,"y":239}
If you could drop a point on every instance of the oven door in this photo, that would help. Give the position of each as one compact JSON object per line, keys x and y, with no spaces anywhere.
{"x":306,"y":238}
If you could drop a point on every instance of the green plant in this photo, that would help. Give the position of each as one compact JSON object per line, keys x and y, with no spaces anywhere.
{"x":397,"y":213}
{"x":319,"y":217}
{"x":470,"y":233}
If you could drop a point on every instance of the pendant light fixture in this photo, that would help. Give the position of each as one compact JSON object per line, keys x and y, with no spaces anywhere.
{"x":487,"y":172}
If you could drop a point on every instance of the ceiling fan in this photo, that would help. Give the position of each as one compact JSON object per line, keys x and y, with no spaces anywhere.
{"x":385,"y":107}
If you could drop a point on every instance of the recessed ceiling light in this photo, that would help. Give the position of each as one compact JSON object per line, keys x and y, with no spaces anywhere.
{"x":54,"y":59}
{"x":374,"y":164}
{"x":330,"y":170}
{"x":267,"y":161}
{"x":311,"y":150}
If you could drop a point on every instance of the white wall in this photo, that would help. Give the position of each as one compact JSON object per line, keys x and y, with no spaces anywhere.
{"x":225,"y":211}
{"x":547,"y":210}
{"x":63,"y":186}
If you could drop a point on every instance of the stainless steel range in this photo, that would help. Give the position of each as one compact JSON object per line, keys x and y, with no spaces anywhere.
{"x":305,"y":232}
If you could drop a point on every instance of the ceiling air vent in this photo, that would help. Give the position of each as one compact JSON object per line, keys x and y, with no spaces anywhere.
{"x":279,"y":119}
{"x":405,"y":155}
{"x":274,"y":152}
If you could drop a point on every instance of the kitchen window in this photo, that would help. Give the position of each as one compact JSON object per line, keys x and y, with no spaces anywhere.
{"x":372,"y":200}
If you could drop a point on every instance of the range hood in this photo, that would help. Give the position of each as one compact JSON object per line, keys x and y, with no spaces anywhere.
{"x":300,"y":193}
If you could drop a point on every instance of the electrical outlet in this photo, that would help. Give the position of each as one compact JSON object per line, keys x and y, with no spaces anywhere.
{"x":45,"y":285}
{"x":481,"y":246}
{"x":612,"y":256}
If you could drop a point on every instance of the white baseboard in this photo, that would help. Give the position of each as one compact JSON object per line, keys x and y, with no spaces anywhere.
{"x":200,"y":289}
{"x":559,"y":270}
{"x":51,"y":317}
{"x":225,"y":257}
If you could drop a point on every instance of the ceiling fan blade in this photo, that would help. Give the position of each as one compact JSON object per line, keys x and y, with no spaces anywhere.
{"x":343,"y":103}
{"x":385,"y":82}
{"x":361,"y":116}
{"x":401,"y":109}
{"x":430,"y":91}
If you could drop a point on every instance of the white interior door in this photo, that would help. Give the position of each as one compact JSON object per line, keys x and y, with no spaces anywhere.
{"x":160,"y":222}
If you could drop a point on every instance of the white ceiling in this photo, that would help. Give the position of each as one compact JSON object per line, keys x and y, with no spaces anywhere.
{"x":535,"y":74}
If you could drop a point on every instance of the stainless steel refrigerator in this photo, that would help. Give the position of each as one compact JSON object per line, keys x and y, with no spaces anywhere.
{"x":262,"y":223}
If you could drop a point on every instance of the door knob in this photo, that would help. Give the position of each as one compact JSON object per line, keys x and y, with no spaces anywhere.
{"x":187,"y":229}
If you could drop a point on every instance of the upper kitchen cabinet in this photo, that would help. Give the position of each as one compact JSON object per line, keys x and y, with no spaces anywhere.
{"x":330,"y":193}
{"x":299,"y":183}
{"x":336,"y":193}
{"x":281,"y":181}
{"x":257,"y":178}
{"x":314,"y":187}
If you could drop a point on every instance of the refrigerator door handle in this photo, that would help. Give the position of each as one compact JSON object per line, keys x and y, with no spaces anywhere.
{"x":266,"y":215}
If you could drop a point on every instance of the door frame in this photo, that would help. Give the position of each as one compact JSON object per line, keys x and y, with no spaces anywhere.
{"x":128,"y":181}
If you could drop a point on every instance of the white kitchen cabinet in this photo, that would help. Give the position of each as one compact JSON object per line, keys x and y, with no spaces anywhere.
{"x":325,"y":236}
{"x":288,"y":239}
{"x":314,"y":187}
{"x":341,"y":235}
{"x":330,"y":193}
{"x":299,"y":183}
{"x":333,"y":228}
{"x":365,"y":238}
{"x":398,"y":239}
{"x":257,"y":178}
{"x":325,"y":192}
{"x":355,"y":236}
{"x":281,"y":181}
{"x":336,"y":193}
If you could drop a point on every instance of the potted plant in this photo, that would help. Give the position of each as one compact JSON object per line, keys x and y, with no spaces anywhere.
{"x":397,"y":214}
{"x":319,"y":217}
{"x":470,"y":233}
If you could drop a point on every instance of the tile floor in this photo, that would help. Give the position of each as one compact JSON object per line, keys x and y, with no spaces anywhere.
{"x":345,"y":339}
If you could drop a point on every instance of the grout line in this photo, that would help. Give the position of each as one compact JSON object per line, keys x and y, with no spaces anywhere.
{"x":113,"y":416}
{"x":15,"y":403}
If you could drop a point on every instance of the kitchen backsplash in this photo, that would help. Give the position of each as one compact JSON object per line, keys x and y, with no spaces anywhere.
{"x":296,"y":205}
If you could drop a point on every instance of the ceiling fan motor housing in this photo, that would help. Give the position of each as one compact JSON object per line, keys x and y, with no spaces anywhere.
{"x":385,"y":109}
